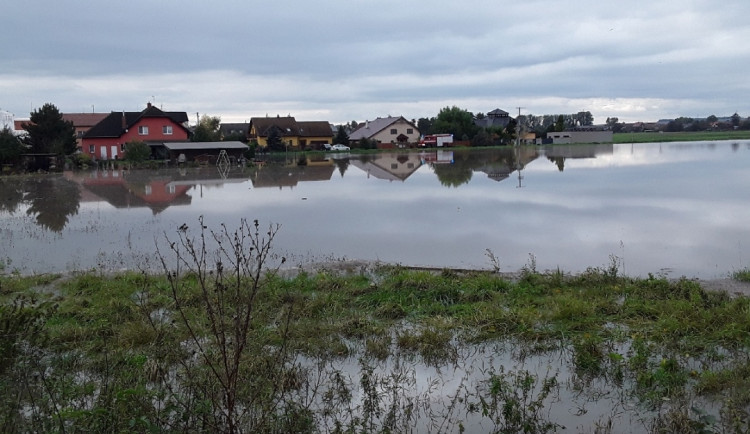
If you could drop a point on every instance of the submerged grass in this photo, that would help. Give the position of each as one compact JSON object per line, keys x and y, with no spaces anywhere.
{"x":667,"y":337}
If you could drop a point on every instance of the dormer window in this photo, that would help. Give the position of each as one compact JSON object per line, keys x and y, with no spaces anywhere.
{"x":143,"y":130}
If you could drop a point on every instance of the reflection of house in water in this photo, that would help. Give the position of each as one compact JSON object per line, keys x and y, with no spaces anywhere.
{"x":135,"y":189}
{"x":507,"y":162}
{"x":281,"y":176}
{"x":154,"y":190}
{"x":389,"y":166}
{"x":558,"y":154}
{"x":579,"y":151}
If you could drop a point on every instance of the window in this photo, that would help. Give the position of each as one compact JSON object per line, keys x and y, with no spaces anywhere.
{"x":147,"y":189}
{"x":122,"y":147}
{"x":394,"y":131}
{"x":166,"y":130}
{"x":91,"y":149}
{"x":79,"y":134}
{"x":143,"y":130}
{"x":410,"y":131}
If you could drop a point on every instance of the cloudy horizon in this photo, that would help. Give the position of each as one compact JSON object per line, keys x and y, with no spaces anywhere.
{"x":358,"y":60}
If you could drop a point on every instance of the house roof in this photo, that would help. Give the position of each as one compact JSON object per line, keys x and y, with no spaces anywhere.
{"x":315,"y":129}
{"x":199,"y":146}
{"x":495,"y":118}
{"x":497,"y":112}
{"x":370,"y":128}
{"x":286,"y":125}
{"x":228,"y":129}
{"x":84,"y":119}
{"x":115,"y":123}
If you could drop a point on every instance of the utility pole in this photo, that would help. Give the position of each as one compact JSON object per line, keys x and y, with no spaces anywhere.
{"x":518,"y":127}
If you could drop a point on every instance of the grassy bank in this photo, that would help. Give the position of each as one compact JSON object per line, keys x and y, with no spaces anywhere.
{"x":135,"y":352}
{"x":681,"y":136}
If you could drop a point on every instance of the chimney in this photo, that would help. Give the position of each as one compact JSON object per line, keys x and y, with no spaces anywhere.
{"x":367,"y":124}
{"x":148,"y":104}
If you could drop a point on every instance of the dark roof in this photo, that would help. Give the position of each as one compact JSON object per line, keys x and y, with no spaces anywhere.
{"x":115,"y":124}
{"x":239,"y":128}
{"x":286,"y":125}
{"x":315,"y":129}
{"x":497,"y":112}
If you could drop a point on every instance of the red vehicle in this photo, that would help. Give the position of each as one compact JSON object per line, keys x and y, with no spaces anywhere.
{"x":436,"y":140}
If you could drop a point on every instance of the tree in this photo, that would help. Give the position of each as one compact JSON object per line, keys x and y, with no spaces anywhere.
{"x":49,"y":133}
{"x":456,"y":121}
{"x":614,"y":124}
{"x":137,"y":151}
{"x":207,"y":129}
{"x":341,"y":136}
{"x":584,"y":118}
{"x":560,"y":123}
{"x":10,"y":147}
{"x":736,"y":120}
{"x":274,"y":140}
{"x":425,"y":125}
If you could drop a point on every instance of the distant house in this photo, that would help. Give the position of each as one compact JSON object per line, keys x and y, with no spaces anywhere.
{"x":106,"y":140}
{"x":237,"y":131}
{"x":388,"y":131}
{"x":302,"y":134}
{"x":495,"y":118}
{"x":580,"y":135}
{"x":83,"y":122}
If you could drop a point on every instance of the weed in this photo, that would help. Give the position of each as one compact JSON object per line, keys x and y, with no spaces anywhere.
{"x":742,"y":275}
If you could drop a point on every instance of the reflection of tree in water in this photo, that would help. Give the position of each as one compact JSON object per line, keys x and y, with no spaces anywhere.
{"x":11,"y":195}
{"x":342,"y":164}
{"x":52,"y":201}
{"x":559,"y":162}
{"x":458,"y":173}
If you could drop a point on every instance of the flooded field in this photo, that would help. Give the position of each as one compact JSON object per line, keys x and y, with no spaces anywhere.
{"x":669,"y":209}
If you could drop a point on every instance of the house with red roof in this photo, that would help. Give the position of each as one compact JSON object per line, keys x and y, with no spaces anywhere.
{"x":106,"y":140}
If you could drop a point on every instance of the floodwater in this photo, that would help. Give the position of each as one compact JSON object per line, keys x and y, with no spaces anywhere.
{"x":672,"y":209}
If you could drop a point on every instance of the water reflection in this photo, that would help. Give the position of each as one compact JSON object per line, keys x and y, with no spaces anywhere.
{"x":51,"y":200}
{"x":678,"y":206}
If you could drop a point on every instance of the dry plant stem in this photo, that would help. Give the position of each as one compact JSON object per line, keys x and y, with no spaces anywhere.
{"x":228,"y":286}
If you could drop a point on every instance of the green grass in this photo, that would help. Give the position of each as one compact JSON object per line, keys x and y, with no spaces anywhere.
{"x":742,"y":275}
{"x":663,"y":336}
{"x":648,"y":137}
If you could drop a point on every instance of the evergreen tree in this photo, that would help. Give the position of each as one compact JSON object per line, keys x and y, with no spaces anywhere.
{"x":49,"y":133}
{"x":341,"y":136}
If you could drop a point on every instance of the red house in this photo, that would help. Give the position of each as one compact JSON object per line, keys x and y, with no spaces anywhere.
{"x":106,"y":140}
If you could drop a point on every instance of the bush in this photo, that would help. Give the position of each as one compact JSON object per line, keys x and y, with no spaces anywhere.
{"x":82,"y":160}
{"x":137,"y":151}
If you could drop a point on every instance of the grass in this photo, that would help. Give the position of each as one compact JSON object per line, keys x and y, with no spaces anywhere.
{"x":667,"y":339}
{"x":648,"y":137}
{"x":742,"y":275}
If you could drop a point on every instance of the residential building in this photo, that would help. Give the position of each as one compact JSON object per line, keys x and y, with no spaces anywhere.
{"x":106,"y":140}
{"x":387,"y":131}
{"x":495,"y":119}
{"x":579,"y":135}
{"x":82,"y":122}
{"x":302,"y":134}
{"x":236,"y":131}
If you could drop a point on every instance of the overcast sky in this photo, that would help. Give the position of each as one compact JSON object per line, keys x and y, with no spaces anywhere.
{"x":360,"y":59}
